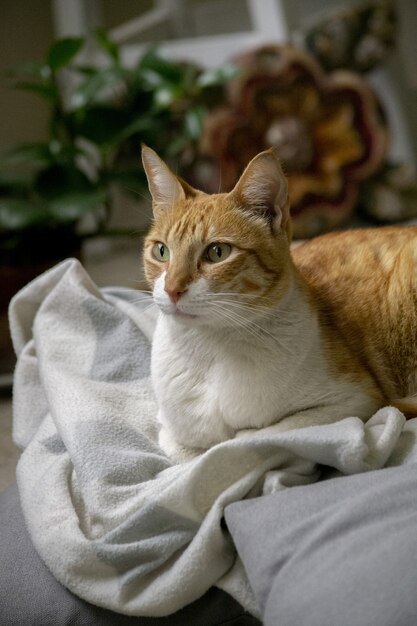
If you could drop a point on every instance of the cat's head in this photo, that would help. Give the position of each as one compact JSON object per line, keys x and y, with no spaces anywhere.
{"x":221,"y":258}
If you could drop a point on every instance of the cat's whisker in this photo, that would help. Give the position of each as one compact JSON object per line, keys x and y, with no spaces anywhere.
{"x":235,"y":297}
{"x":279,"y":310}
{"x":249,"y":310}
{"x":232,"y":294}
{"x":146,"y":308}
{"x":144,"y":299}
{"x":207,"y":298}
{"x":258,"y":331}
{"x":138,"y":193}
{"x":140,"y":297}
{"x":143,"y":290}
{"x":284,"y":319}
{"x":220,"y":315}
{"x":152,"y":304}
{"x":224,"y":314}
{"x":248,"y":325}
{"x":241,"y":305}
{"x":267,"y":311}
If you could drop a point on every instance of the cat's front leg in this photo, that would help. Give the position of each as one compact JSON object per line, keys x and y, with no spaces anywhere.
{"x":174,"y":450}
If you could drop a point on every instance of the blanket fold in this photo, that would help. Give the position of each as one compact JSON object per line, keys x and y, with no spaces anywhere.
{"x":114,"y":520}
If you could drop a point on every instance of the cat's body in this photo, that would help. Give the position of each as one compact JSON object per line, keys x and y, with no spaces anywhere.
{"x":364,"y":283}
{"x":213,"y":383}
{"x":260,"y":337}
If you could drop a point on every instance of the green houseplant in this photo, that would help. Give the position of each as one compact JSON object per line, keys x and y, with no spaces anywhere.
{"x":47,"y":188}
{"x":56,"y":193}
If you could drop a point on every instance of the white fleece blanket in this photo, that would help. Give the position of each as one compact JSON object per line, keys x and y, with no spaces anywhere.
{"x":115,"y":521}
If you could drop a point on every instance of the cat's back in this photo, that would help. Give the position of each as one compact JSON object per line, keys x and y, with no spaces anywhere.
{"x":364,"y":283}
{"x":348,"y":263}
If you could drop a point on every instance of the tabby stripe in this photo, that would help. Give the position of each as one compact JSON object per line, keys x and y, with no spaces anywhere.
{"x":261,"y":263}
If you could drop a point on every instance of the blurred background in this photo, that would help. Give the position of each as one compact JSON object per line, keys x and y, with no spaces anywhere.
{"x":331,"y":84}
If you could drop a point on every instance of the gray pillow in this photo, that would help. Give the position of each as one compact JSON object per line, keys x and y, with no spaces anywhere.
{"x":30,"y":595}
{"x":341,"y":552}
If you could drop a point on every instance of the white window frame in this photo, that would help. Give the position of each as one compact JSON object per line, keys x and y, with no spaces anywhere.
{"x":75,"y":17}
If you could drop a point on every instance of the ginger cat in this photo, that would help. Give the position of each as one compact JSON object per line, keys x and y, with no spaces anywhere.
{"x":250,"y":334}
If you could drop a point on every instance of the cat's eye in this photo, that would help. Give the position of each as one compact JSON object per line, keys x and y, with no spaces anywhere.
{"x":217,"y":252}
{"x":160,"y":251}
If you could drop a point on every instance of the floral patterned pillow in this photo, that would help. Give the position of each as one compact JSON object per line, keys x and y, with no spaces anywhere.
{"x":328,"y":129}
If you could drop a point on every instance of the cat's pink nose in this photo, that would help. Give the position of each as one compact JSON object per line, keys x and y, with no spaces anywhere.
{"x":175,"y":294}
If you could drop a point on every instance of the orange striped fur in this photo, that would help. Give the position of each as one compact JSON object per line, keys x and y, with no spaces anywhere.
{"x":310,"y":335}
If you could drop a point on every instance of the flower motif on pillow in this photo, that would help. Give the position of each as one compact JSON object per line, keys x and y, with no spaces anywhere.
{"x":328,"y":130}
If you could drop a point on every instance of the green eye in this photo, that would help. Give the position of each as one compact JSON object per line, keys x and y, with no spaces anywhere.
{"x":217,"y":252}
{"x":160,"y":251}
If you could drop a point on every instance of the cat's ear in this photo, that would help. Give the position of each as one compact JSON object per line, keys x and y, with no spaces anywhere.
{"x":166,"y":189}
{"x":263,"y":190}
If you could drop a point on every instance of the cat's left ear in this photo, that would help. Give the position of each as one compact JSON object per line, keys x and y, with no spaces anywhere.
{"x":263,"y":190}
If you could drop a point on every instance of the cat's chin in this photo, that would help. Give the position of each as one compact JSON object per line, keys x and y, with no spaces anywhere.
{"x":191,"y":319}
{"x":182,"y":316}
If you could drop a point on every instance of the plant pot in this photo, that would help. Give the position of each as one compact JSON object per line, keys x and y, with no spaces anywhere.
{"x":13,"y":277}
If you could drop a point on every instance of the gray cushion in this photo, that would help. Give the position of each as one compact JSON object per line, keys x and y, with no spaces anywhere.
{"x":340,"y":552}
{"x":30,"y":595}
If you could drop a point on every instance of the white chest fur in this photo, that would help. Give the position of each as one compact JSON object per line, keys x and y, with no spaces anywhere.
{"x":212,"y":383}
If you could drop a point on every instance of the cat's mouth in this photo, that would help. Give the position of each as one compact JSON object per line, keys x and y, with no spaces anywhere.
{"x":174,"y":311}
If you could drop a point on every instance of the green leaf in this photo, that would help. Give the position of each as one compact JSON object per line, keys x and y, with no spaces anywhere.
{"x":63,"y":51}
{"x":193,"y":122}
{"x":147,"y":128}
{"x":133,"y":180}
{"x":136,"y":126}
{"x":16,"y":182}
{"x":33,"y":154}
{"x":104,"y":125}
{"x":45,"y":90}
{"x":177,"y":145}
{"x":154,"y":64}
{"x":87,"y":70}
{"x":97,"y":87}
{"x":166,"y":95}
{"x":107,"y":44}
{"x":33,"y":69}
{"x":61,"y":179}
{"x":16,"y":214}
{"x":72,"y":206}
{"x":218,"y":76}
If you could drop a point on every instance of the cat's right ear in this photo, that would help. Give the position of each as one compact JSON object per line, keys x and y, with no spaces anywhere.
{"x":166,"y":190}
{"x":263,"y":190}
